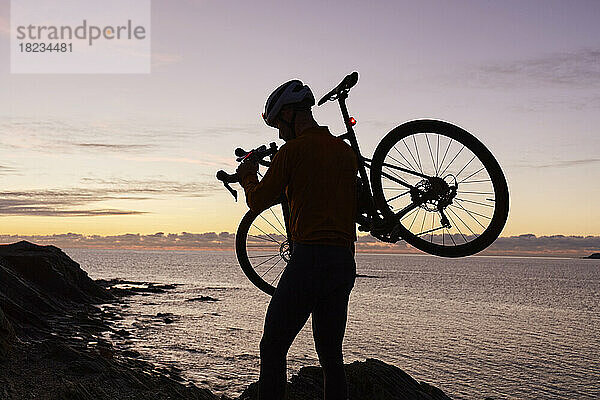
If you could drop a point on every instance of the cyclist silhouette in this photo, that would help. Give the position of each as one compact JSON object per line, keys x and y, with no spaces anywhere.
{"x":317,"y":172}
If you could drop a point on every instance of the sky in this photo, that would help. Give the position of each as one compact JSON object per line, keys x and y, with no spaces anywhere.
{"x":119,"y":154}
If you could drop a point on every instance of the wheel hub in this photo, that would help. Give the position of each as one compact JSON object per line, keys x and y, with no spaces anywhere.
{"x":434,"y":194}
{"x":285,"y":251}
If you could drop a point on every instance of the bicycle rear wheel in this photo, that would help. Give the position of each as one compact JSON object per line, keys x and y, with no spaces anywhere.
{"x":456,"y":202}
{"x":262,"y":247}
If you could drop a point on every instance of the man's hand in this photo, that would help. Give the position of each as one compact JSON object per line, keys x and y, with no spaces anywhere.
{"x":246,"y":168}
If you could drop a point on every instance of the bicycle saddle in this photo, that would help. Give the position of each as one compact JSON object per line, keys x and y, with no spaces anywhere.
{"x":345,"y":85}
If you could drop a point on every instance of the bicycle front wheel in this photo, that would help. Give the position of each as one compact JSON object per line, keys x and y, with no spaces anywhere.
{"x":444,"y":187}
{"x":262,"y":247}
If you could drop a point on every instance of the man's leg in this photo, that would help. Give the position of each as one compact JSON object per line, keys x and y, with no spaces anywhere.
{"x":288,"y":311}
{"x":329,"y":325}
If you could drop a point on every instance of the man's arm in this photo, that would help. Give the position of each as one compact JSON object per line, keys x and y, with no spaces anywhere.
{"x":260,"y":195}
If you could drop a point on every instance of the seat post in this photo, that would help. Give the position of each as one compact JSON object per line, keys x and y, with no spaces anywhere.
{"x":351,"y":136}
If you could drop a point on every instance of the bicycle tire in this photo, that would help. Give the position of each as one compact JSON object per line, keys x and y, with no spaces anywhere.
{"x":263,"y":250}
{"x":475,"y":191}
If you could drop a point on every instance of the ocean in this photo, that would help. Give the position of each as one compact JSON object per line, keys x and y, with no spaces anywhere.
{"x":477,"y":327}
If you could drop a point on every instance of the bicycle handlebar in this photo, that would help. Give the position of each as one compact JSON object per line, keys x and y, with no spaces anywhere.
{"x":257,"y":155}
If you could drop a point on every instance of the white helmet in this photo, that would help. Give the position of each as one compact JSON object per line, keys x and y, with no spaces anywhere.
{"x":291,"y":92}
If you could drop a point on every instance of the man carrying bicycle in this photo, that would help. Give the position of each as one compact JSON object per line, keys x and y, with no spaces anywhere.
{"x":317,"y":172}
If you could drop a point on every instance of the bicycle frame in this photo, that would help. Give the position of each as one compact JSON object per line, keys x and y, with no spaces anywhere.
{"x":364,"y":163}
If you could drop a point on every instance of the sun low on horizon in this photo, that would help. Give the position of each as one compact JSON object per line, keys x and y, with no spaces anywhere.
{"x":113,"y":154}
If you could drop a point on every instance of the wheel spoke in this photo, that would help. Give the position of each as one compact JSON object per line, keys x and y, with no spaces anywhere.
{"x":481,"y":181}
{"x":396,"y":174}
{"x":275,"y":240}
{"x":431,"y":153}
{"x":396,"y":197}
{"x":273,"y":226}
{"x":280,"y":224}
{"x":429,"y":231}
{"x":432,"y":221}
{"x":417,"y":149}
{"x":463,"y":168}
{"x":266,"y":255}
{"x":471,"y":215}
{"x":270,"y":268}
{"x":451,"y":238}
{"x":409,"y":166}
{"x":265,"y":261}
{"x":474,"y":202}
{"x":445,"y":153}
{"x":411,"y":154}
{"x":413,"y":221}
{"x":409,"y":213}
{"x":263,"y":238}
{"x":280,"y":272}
{"x":479,"y":170}
{"x":450,"y":163}
{"x":456,"y":226}
{"x":437,"y":156}
{"x":471,"y":192}
{"x":474,"y":212}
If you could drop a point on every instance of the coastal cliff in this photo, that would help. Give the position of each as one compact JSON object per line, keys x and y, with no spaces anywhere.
{"x":55,"y":343}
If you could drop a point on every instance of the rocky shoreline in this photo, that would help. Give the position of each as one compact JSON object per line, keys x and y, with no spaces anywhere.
{"x":58,"y":341}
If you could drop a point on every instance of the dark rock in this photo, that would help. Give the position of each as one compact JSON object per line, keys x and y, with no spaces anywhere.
{"x":122,"y":333}
{"x":49,"y":332}
{"x":163,"y":314}
{"x":58,"y":350}
{"x":367,"y":380}
{"x":366,"y":276}
{"x":593,"y":256}
{"x":203,"y":298}
{"x":130,"y":353}
{"x":166,"y":317}
{"x":120,"y":287}
{"x":36,"y":281}
{"x":7,"y":335}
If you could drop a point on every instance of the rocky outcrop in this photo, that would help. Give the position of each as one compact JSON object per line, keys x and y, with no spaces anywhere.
{"x":594,"y":256}
{"x":41,"y":281}
{"x":52,"y":343}
{"x":368,"y":380}
{"x":7,"y":335}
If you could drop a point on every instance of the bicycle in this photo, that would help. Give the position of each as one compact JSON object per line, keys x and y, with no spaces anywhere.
{"x":432,"y":184}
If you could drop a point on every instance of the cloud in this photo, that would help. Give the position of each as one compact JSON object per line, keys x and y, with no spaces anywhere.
{"x":555,"y":245}
{"x":579,"y":69}
{"x":522,"y":245}
{"x":116,"y":147}
{"x":562,"y":163}
{"x":56,"y":204}
{"x":121,"y":186}
{"x":62,"y":137}
{"x":138,"y":140}
{"x":79,"y":202}
{"x":160,"y":240}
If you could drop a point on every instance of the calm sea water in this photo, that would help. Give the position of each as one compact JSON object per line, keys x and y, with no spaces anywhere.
{"x":498,"y":327}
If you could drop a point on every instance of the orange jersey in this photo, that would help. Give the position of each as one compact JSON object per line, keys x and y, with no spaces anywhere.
{"x":318,"y":173}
